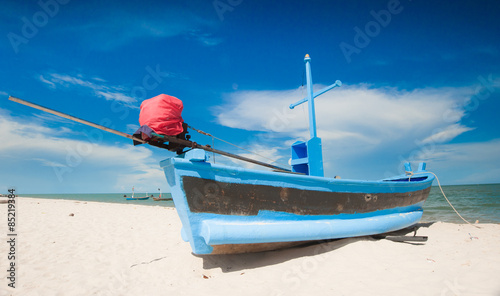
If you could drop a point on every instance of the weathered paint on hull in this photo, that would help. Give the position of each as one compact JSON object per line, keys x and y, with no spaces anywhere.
{"x":234,"y":210}
{"x":209,"y":196}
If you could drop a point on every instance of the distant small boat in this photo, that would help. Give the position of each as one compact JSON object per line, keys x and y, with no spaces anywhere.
{"x":136,"y":198}
{"x":160,"y":198}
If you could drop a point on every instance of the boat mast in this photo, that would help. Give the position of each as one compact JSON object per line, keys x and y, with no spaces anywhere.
{"x":307,"y":157}
{"x":310,"y":98}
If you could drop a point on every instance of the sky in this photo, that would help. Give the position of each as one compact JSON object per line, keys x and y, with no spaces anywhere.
{"x":421,"y":82}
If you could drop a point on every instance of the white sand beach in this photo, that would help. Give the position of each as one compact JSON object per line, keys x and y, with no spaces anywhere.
{"x":118,"y":249}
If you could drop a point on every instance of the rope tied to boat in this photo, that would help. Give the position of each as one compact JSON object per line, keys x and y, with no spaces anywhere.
{"x":206,"y":134}
{"x":411,"y":173}
{"x":239,"y":147}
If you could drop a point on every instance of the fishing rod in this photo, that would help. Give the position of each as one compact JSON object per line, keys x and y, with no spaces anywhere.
{"x":171,"y":139}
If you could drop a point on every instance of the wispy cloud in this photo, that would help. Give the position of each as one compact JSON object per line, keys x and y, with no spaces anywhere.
{"x":131,"y":128}
{"x":124,"y":26}
{"x":47,"y":82}
{"x":446,"y":134}
{"x":95,"y":85}
{"x":206,"y":39}
{"x":470,"y":53}
{"x":2,"y":93}
{"x":46,"y":162}
{"x":47,"y":117}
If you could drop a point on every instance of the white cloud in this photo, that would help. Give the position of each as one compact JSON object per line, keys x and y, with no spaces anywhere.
{"x":358,"y":114}
{"x":465,"y":163}
{"x":364,"y":129}
{"x":76,"y":161}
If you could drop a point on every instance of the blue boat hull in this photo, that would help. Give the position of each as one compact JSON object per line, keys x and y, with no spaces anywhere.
{"x":137,"y":198}
{"x":234,"y":210}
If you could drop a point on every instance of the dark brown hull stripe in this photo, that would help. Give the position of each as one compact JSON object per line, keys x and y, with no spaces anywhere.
{"x":209,"y":196}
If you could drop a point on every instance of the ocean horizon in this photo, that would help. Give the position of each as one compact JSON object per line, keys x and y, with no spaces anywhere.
{"x":479,"y":202}
{"x":108,"y":198}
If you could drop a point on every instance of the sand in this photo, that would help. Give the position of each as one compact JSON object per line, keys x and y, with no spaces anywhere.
{"x":117,"y":249}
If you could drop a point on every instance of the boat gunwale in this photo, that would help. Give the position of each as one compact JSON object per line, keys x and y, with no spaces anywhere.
{"x":225,"y":173}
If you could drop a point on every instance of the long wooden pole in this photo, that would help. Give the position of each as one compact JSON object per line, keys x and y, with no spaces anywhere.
{"x":101,"y":127}
{"x":186,"y":143}
{"x":210,"y":149}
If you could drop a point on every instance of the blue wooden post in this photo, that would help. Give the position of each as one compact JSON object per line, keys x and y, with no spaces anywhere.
{"x":314,"y":151}
{"x":307,"y":157}
{"x":310,"y":97}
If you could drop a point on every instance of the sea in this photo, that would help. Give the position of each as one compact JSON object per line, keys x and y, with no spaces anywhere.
{"x":109,"y":198}
{"x":474,"y":202}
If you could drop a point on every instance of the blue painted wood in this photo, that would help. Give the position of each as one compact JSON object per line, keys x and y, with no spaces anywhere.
{"x":407,"y":167}
{"x":137,"y":198}
{"x":315,"y":157}
{"x":205,"y":231}
{"x":316,"y":94}
{"x":312,"y":163}
{"x":241,"y":230}
{"x":310,"y":98}
{"x":300,"y":159}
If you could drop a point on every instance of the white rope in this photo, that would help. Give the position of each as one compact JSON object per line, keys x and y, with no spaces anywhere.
{"x":439,"y":184}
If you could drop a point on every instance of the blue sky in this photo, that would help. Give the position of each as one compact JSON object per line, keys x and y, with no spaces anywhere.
{"x":421,"y":82}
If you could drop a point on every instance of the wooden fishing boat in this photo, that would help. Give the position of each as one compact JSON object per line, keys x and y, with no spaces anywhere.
{"x":226,"y":209}
{"x":161,"y":199}
{"x":136,"y":198}
{"x":232,"y":210}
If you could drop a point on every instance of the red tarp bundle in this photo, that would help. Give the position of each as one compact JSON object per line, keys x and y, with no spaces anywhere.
{"x":162,"y":114}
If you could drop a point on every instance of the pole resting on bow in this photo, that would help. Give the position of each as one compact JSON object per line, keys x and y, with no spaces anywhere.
{"x":164,"y":138}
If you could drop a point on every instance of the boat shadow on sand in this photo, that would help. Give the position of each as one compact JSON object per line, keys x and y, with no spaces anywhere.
{"x":239,"y":262}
